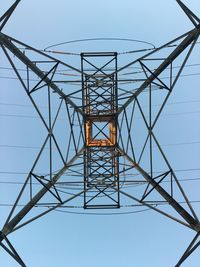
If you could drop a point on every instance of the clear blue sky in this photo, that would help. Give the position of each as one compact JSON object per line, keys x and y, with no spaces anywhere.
{"x":61,"y":239}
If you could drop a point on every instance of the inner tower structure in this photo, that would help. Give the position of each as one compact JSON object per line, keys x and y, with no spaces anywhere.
{"x":101,"y":163}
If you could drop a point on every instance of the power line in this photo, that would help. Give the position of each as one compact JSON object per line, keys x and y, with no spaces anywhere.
{"x":78,"y":83}
{"x":21,"y":105}
{"x":183,"y":143}
{"x":119,"y":213}
{"x":88,"y":69}
{"x":37,"y":147}
{"x":167,"y":104}
{"x":101,"y":213}
{"x":37,"y":117}
{"x":22,"y":147}
{"x":178,"y":170}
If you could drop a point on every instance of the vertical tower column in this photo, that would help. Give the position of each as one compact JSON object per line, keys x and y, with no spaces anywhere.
{"x":101,"y":171}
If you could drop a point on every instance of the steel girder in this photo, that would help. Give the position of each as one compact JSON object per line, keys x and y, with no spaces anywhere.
{"x":104,"y":153}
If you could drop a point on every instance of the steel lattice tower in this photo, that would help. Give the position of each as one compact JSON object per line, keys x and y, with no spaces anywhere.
{"x":101,"y":126}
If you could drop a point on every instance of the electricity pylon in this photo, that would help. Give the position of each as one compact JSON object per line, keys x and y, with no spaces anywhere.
{"x":104,"y":142}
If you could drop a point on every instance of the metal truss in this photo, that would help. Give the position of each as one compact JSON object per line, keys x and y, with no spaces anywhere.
{"x":101,"y":169}
{"x":107,"y":150}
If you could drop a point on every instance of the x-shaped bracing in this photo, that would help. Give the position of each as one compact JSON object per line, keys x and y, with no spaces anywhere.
{"x":42,"y":75}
